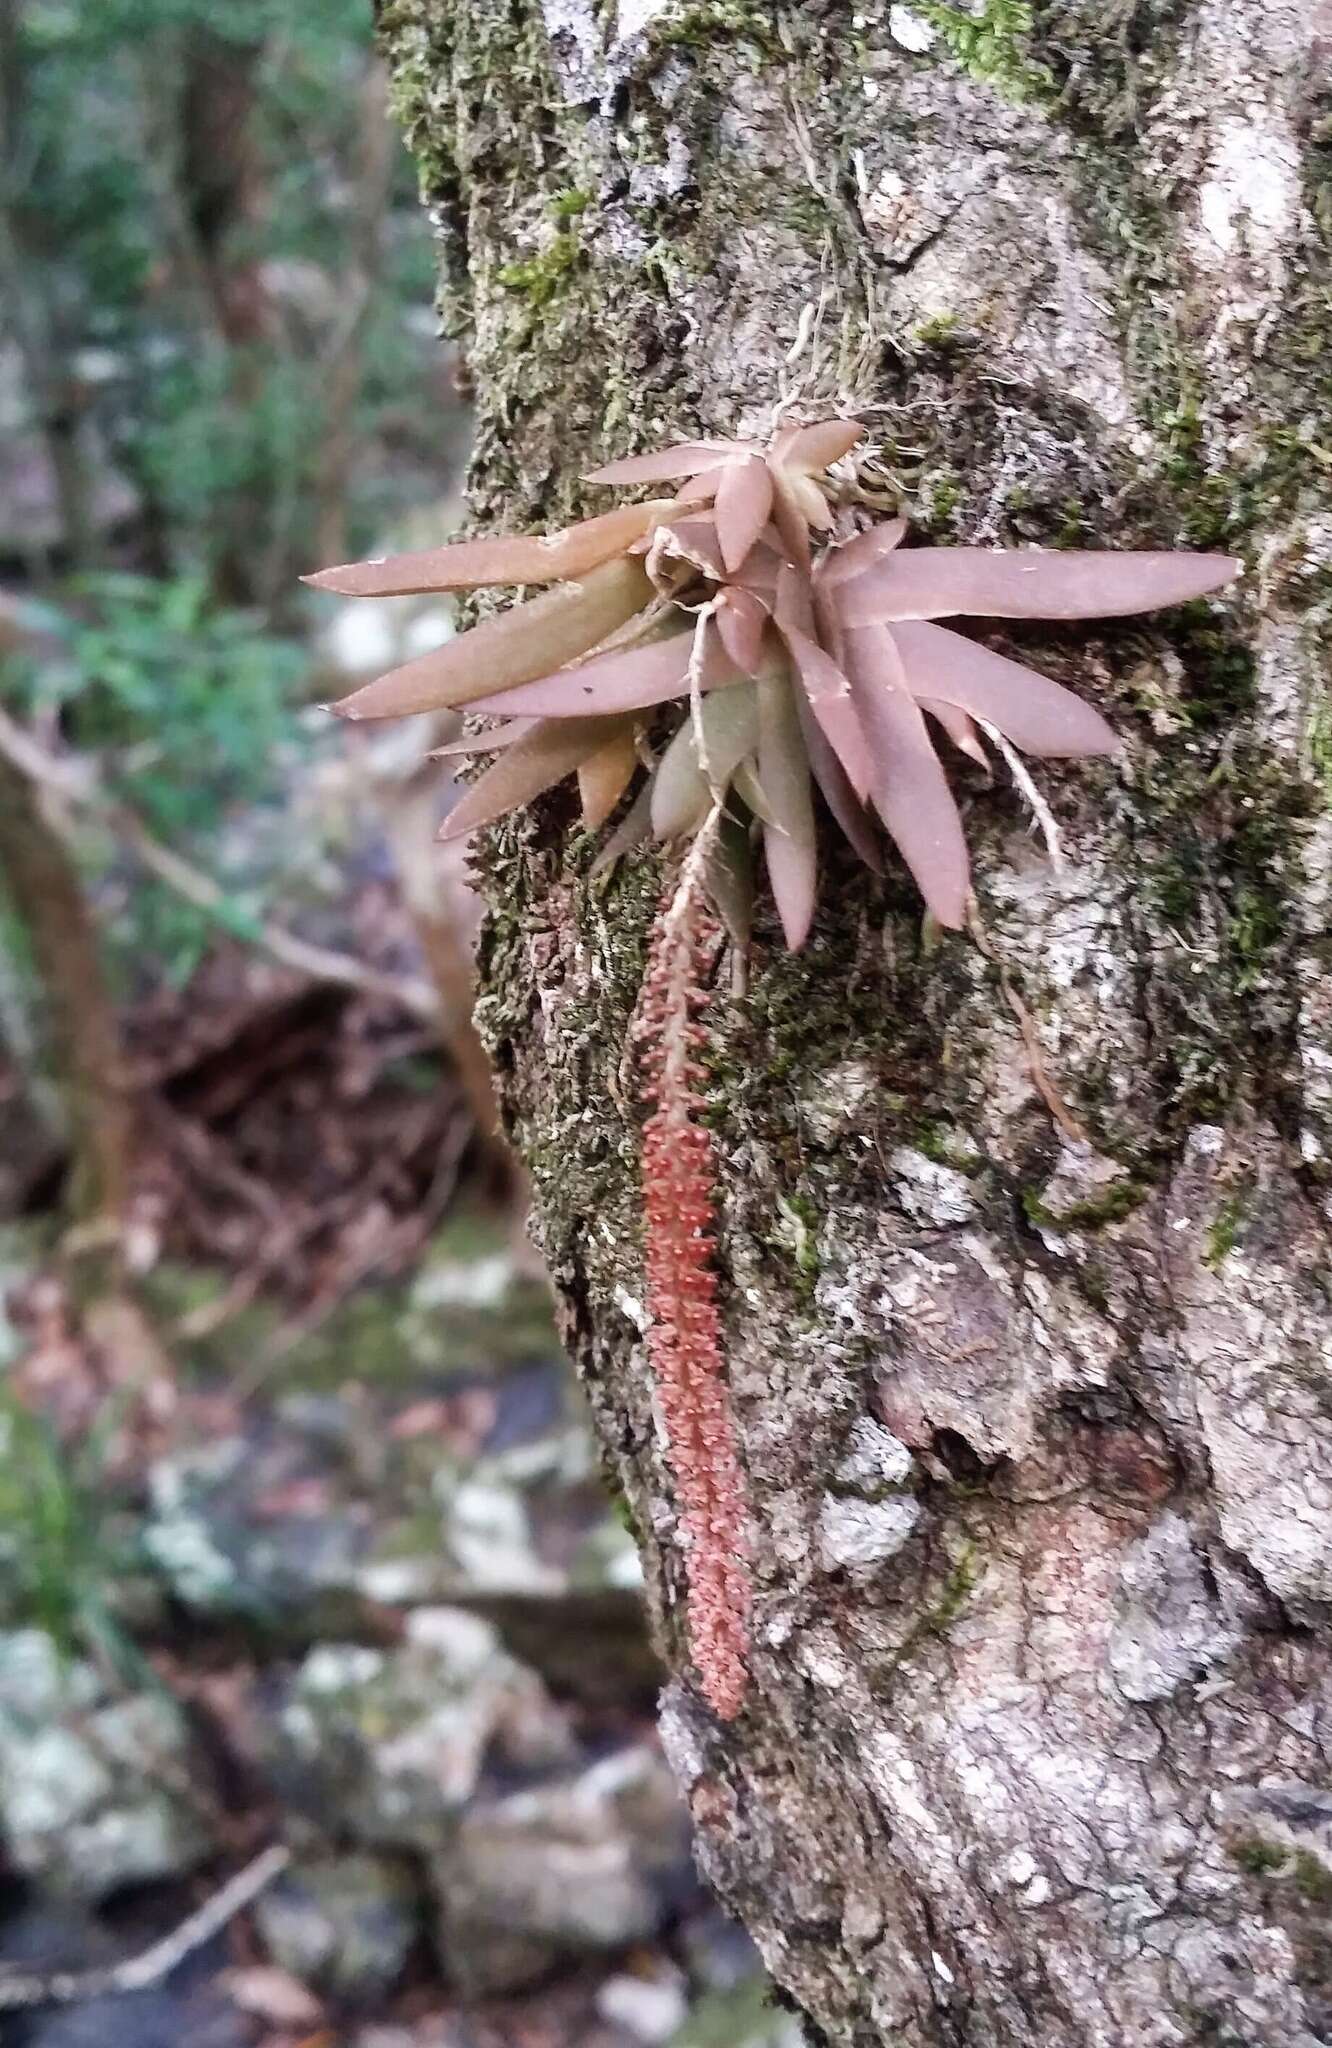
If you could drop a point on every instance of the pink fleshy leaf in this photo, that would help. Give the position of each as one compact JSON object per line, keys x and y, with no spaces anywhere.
{"x":634,"y":827}
{"x":847,"y":808}
{"x":834,"y":706}
{"x":604,"y":777}
{"x":742,"y":506}
{"x":789,"y":845}
{"x":492,"y":741}
{"x":959,"y":729}
{"x":791,"y":525}
{"x":909,"y":787}
{"x":741,"y":618}
{"x":681,"y":788}
{"x":865,"y":551}
{"x":1038,"y":716}
{"x":629,"y":679}
{"x":553,"y":750}
{"x":1027,"y":583}
{"x":696,"y":540}
{"x":822,"y":682}
{"x":686,"y":458}
{"x":761,"y":568}
{"x":808,"y":499}
{"x":813,"y":448}
{"x":700,"y":489}
{"x":526,"y":641}
{"x":499,"y":558}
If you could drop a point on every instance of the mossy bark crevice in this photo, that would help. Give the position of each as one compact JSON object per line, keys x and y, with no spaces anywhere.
{"x":1036,"y":1432}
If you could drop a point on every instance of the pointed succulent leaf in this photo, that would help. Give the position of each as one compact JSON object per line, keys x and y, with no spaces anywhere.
{"x":492,"y":741}
{"x":741,"y":618}
{"x":634,"y":827}
{"x":835,"y":707}
{"x":682,"y":788}
{"x":527,"y":641}
{"x":847,"y":808}
{"x":743,"y":503}
{"x":604,"y":777}
{"x":809,"y":500}
{"x":762,"y":566}
{"x":730,"y":880}
{"x":822,"y":682}
{"x":959,"y":728}
{"x":1027,"y":583}
{"x":865,"y":551}
{"x":813,"y":448}
{"x":750,"y":790}
{"x":1038,"y":716}
{"x":700,"y":489}
{"x":694,"y":540}
{"x":501,"y":558}
{"x":553,"y":750}
{"x":789,"y":845}
{"x":790,"y":522}
{"x":630,"y":679}
{"x":686,"y":458}
{"x":909,"y":787}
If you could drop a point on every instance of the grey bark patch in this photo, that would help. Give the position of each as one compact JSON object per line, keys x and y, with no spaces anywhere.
{"x":1168,"y":1629}
{"x":857,"y":1536}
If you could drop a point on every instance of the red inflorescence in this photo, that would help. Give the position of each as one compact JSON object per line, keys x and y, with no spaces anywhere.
{"x":685,"y":1338}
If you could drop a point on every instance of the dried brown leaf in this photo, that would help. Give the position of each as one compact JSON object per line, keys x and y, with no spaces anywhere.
{"x":634,"y":827}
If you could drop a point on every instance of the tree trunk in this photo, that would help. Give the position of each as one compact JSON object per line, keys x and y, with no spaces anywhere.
{"x":39,"y":877}
{"x":1037,"y":1432}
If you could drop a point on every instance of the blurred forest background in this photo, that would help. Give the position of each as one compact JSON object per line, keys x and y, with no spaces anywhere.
{"x":302,"y":1541}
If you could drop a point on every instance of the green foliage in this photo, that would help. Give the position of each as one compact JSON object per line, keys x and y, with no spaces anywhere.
{"x":539,"y":278}
{"x":190,"y":709}
{"x":222,"y":439}
{"x":1119,"y":1200}
{"x":62,"y":1546}
{"x":1259,"y":1858}
{"x":1224,"y":1231}
{"x":990,"y":44}
{"x":189,"y":702}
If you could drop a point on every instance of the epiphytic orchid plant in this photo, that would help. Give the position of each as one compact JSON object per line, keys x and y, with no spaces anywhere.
{"x":805,"y":652}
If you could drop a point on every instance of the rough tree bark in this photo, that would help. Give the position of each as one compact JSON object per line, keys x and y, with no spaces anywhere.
{"x":1036,"y":1749}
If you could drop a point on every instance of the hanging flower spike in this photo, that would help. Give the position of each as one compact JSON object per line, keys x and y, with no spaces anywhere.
{"x":685,"y":1338}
